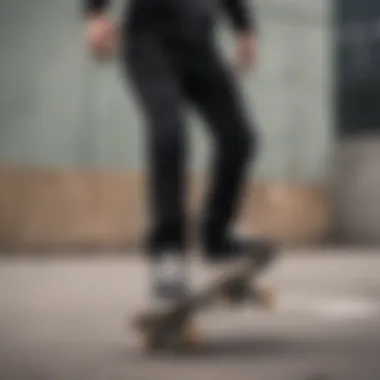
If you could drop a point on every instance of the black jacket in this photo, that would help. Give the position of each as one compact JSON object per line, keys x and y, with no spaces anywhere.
{"x":146,"y":12}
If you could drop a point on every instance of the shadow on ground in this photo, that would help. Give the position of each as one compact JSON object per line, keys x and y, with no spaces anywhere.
{"x":252,"y":347}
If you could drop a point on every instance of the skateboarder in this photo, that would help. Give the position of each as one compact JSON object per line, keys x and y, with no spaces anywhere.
{"x":169,"y":52}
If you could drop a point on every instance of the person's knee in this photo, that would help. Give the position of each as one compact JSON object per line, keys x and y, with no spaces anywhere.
{"x":167,"y":140}
{"x":243,"y":145}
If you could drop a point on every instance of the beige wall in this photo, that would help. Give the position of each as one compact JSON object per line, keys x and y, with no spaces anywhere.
{"x":73,"y":210}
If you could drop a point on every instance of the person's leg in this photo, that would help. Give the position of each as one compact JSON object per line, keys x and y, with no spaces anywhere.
{"x":159,"y":94}
{"x":212,"y":89}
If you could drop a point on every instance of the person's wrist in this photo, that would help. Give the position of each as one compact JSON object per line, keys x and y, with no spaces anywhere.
{"x":246,"y":32}
{"x":94,"y":15}
{"x":245,"y":28}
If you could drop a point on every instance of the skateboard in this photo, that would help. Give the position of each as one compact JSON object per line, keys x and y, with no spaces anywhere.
{"x":173,"y":327}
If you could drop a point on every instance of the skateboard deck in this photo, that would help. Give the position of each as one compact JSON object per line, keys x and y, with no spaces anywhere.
{"x":172,"y":328}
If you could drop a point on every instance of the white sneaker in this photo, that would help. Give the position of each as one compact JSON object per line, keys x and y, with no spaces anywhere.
{"x":169,"y":279}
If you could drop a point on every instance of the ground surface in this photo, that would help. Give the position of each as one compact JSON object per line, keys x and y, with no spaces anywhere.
{"x":67,"y":320}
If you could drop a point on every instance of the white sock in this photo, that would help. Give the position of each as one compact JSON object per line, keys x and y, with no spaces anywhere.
{"x":170,"y":267}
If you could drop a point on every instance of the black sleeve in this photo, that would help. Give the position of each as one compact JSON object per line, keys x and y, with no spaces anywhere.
{"x":95,"y":5}
{"x":240,"y":14}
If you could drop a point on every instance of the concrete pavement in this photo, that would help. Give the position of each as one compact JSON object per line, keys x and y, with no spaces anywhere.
{"x":66,"y":319}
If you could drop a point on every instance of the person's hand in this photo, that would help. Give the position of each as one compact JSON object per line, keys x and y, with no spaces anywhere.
{"x":246,"y":51}
{"x":101,"y":36}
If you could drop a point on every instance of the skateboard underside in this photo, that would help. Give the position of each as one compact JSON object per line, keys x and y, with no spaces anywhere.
{"x":173,"y":328}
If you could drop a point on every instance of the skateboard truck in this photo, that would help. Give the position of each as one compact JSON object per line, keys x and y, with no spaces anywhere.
{"x":175,"y":331}
{"x":240,"y":294}
{"x":239,"y":290}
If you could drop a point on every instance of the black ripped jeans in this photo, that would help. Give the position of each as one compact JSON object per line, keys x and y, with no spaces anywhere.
{"x":167,"y":78}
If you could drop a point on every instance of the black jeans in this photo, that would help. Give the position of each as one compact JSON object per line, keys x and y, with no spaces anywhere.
{"x":167,"y":78}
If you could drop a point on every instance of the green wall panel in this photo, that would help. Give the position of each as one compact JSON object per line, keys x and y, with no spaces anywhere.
{"x":58,"y":108}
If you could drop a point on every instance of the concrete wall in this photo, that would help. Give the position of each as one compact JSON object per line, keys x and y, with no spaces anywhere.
{"x":80,"y":210}
{"x":357,"y":190}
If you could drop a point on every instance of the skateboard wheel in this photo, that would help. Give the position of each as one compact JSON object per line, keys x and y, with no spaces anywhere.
{"x":188,"y":337}
{"x":152,"y":339}
{"x":191,"y":336}
{"x":149,"y":341}
{"x":267,"y":297}
{"x":229,"y":301}
{"x":236,"y":295}
{"x":154,"y":342}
